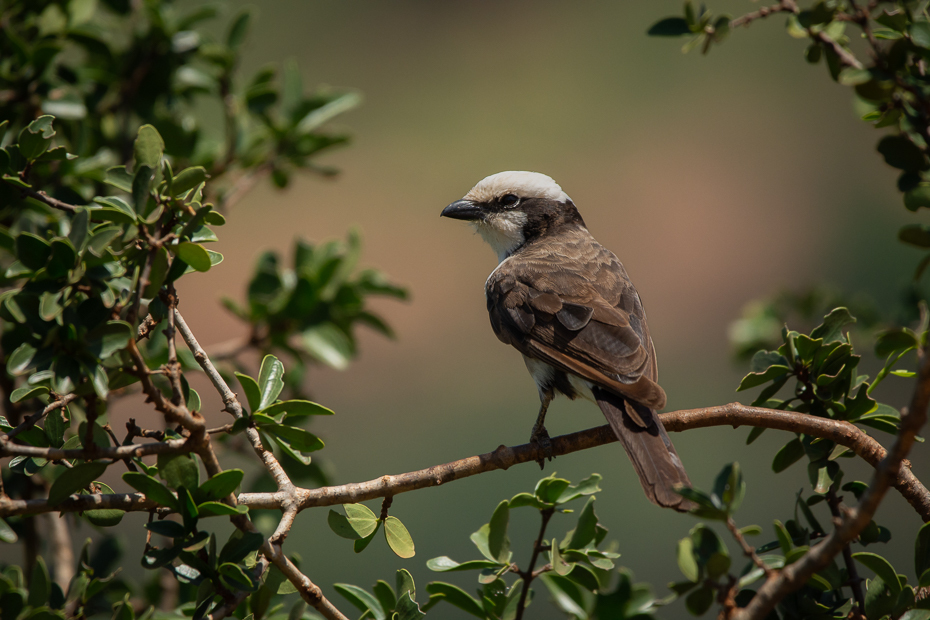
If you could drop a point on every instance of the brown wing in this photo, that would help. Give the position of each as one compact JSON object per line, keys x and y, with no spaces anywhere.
{"x":587,"y":320}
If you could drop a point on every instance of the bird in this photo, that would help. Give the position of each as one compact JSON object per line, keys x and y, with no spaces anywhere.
{"x":566,"y":303}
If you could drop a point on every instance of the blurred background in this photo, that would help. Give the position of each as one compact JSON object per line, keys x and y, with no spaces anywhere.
{"x":714,"y":179}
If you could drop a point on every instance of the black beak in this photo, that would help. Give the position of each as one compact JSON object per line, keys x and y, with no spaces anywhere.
{"x":463,"y":210}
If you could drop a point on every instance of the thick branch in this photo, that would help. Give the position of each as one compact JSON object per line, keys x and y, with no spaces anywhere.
{"x":886,"y":474}
{"x":734,"y":414}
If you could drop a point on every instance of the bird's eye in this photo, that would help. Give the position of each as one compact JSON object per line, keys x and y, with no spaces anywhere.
{"x":509,"y":200}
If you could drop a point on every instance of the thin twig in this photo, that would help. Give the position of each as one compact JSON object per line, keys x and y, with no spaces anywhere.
{"x":785,"y":6}
{"x":748,"y":549}
{"x":855,"y":582}
{"x":528,"y":574}
{"x":48,"y":200}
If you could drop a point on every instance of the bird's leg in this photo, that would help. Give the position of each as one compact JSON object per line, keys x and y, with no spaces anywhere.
{"x":540,"y":436}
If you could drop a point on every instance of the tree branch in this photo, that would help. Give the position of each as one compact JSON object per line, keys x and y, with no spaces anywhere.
{"x":734,"y":414}
{"x":886,"y":474}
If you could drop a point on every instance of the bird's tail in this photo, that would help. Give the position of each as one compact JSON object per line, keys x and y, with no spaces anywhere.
{"x":647,"y":444}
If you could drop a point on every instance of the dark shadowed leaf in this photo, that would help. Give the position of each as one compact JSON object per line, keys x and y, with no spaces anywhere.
{"x":152,"y":489}
{"x":669,"y":27}
{"x":179,"y":470}
{"x":73,"y":480}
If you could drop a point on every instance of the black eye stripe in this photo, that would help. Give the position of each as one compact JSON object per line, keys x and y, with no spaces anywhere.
{"x":508,"y":200}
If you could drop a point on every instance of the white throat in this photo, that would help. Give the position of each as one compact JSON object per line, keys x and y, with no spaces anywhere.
{"x":503,"y":232}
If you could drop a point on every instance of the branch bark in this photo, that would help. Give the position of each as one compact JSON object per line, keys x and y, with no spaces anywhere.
{"x":734,"y":414}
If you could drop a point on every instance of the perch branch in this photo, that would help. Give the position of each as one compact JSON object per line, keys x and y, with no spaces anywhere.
{"x":734,"y":414}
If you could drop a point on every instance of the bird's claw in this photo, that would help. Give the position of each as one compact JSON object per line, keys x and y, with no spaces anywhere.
{"x":540,"y":437}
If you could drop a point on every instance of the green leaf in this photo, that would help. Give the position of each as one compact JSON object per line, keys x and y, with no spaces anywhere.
{"x":498,"y":540}
{"x":7,"y":534}
{"x":297,"y":438}
{"x":236,"y":578}
{"x":328,"y":344}
{"x":152,"y":489}
{"x":36,"y":137}
{"x":586,"y":529}
{"x":27,"y":392}
{"x":360,"y":598}
{"x":407,"y":608}
{"x":362,"y":543}
{"x":119,"y":178}
{"x":32,"y":250}
{"x":700,"y":600}
{"x":480,"y":540}
{"x":669,"y":27}
{"x":179,"y":470}
{"x":398,"y":538}
{"x":784,"y":538}
{"x":40,"y":585}
{"x":730,"y":486}
{"x":240,"y":545}
{"x":270,"y":380}
{"x":171,"y":529}
{"x":566,"y":594}
{"x":73,"y":480}
{"x":787,"y":455}
{"x":922,"y":550}
{"x":686,"y":561}
{"x":188,"y":179}
{"x":20,"y":360}
{"x":588,"y":486}
{"x":109,"y":338}
{"x":445,"y":564}
{"x":142,"y":188}
{"x":361,"y":519}
{"x":340,"y":525}
{"x":881,"y":567}
{"x":193,"y":254}
{"x":238,"y":29}
{"x":550,"y":489}
{"x":219,"y":509}
{"x":917,"y":235}
{"x":295,"y":409}
{"x":252,"y":392}
{"x":899,"y":152}
{"x":220,"y":485}
{"x":917,"y":198}
{"x":457,"y":597}
{"x":188,"y":510}
{"x":920,"y":34}
{"x":148,"y":147}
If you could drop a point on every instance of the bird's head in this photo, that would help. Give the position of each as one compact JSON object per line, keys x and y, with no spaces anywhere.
{"x":509,"y":209}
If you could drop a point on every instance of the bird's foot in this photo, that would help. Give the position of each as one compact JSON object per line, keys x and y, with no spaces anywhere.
{"x":540,"y":437}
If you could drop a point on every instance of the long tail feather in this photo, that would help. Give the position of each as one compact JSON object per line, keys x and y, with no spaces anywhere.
{"x":647,"y":444}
